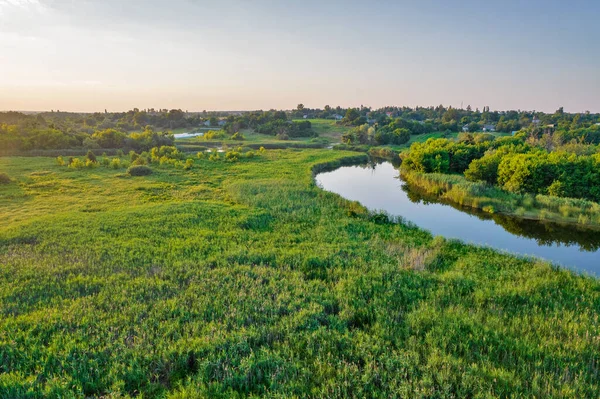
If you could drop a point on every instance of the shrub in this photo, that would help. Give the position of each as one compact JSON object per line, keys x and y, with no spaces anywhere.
{"x":214,"y":135}
{"x":77,"y":163}
{"x":4,"y":179}
{"x":282,"y":136}
{"x":90,"y":164}
{"x":238,"y":136}
{"x":139,"y":161}
{"x":164,"y":154}
{"x":91,"y":156}
{"x":139,"y":170}
{"x":115,"y":163}
{"x":232,"y":156}
{"x":60,"y":161}
{"x":188,"y":164}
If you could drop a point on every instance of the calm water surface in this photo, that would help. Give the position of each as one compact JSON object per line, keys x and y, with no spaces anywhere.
{"x":380,"y":187}
{"x":187,"y":135}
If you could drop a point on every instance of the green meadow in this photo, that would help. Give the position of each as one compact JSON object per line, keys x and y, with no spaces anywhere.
{"x":244,"y":279}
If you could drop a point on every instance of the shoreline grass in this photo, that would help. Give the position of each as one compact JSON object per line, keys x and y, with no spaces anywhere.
{"x":490,"y":199}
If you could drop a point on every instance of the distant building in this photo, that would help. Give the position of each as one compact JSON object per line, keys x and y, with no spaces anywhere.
{"x":536,"y":120}
{"x":222,"y":122}
{"x":465,"y":128}
{"x":390,"y":114}
{"x":305,"y":116}
{"x":597,"y":124}
{"x":489,"y":128}
{"x":338,"y":117}
{"x":207,"y":123}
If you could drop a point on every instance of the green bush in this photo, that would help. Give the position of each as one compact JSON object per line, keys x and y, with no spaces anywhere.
{"x":214,"y":135}
{"x":91,"y":156}
{"x":4,"y":179}
{"x":139,"y":170}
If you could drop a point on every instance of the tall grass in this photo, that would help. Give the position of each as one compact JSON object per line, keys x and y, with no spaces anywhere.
{"x":246,"y":280}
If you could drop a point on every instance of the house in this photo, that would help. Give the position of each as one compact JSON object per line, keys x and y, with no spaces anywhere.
{"x":536,"y":120}
{"x":338,"y":117}
{"x":597,"y":124}
{"x":305,"y":116}
{"x":207,"y":123}
{"x":222,"y":122}
{"x":390,"y":114}
{"x":489,"y":128}
{"x":465,"y":128}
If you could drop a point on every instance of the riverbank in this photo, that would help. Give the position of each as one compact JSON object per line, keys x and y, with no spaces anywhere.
{"x":490,"y":199}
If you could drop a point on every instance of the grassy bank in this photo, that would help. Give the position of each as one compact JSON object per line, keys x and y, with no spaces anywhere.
{"x":244,"y":279}
{"x":479,"y":195}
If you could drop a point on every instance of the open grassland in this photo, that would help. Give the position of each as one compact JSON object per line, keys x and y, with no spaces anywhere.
{"x":244,"y":279}
{"x":252,"y":140}
{"x":328,"y":128}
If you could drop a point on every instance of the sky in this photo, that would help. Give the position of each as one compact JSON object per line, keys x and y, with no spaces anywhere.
{"x":91,"y":55}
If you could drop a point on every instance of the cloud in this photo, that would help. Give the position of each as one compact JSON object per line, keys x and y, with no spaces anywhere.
{"x":10,"y":6}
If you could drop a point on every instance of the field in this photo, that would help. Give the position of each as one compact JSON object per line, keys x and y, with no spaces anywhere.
{"x":328,"y":133}
{"x":244,"y":279}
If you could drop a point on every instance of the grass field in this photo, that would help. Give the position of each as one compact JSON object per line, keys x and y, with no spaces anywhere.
{"x":327,"y":130}
{"x":244,"y":279}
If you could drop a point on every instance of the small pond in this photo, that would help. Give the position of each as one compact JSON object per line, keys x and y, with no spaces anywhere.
{"x":380,"y":187}
{"x":187,"y":135}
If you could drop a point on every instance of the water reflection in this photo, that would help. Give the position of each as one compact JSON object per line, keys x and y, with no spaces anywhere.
{"x":543,"y":232}
{"x":379,"y":186}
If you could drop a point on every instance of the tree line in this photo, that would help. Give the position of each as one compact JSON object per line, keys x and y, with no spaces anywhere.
{"x":518,"y":164}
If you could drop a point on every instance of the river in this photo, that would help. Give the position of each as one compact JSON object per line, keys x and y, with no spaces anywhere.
{"x":380,"y":187}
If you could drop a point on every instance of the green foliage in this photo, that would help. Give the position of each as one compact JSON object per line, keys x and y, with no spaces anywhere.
{"x":214,"y":135}
{"x":481,"y":195}
{"x":139,"y":170}
{"x":165,"y":154}
{"x":238,"y":136}
{"x":109,"y":138}
{"x":91,"y":156}
{"x":4,"y":178}
{"x":189,"y":163}
{"x":292,"y":129}
{"x":511,"y":164}
{"x":244,"y":279}
{"x":484,"y":169}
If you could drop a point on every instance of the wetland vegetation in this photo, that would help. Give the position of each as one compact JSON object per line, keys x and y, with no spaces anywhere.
{"x":241,"y":279}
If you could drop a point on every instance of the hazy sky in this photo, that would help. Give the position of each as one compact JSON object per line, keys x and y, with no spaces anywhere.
{"x":88,"y":55}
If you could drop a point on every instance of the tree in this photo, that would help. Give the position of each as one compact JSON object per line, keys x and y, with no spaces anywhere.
{"x":351,"y":117}
{"x":91,"y":156}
